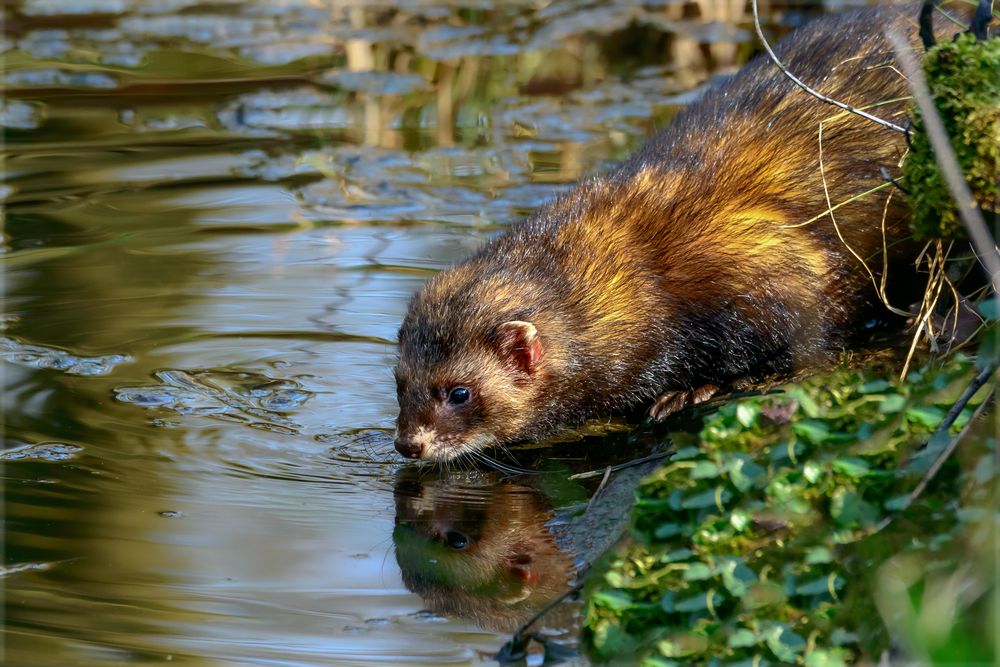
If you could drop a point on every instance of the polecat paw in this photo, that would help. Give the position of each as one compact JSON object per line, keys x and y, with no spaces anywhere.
{"x":670,"y":402}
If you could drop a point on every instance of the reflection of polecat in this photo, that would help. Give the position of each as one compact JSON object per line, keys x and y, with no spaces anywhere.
{"x":478,"y":552}
{"x":707,"y":258}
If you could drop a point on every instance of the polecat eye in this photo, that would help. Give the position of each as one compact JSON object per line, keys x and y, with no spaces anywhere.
{"x":456,"y":540}
{"x":459,"y":395}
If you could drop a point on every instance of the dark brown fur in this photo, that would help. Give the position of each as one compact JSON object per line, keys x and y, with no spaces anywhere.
{"x":686,"y":266}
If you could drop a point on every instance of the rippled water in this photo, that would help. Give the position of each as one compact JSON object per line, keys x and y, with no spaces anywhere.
{"x":215,"y":214}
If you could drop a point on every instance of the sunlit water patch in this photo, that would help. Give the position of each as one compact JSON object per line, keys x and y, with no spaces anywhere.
{"x":259,"y":400}
{"x":42,"y":356}
{"x":43,"y":451}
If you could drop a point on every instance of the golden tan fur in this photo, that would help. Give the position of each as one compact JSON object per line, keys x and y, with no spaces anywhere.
{"x":727,"y":248}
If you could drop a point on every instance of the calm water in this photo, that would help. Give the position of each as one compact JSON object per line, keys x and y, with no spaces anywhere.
{"x":215,"y":214}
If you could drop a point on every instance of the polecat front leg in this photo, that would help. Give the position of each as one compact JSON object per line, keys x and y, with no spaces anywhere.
{"x":670,"y":402}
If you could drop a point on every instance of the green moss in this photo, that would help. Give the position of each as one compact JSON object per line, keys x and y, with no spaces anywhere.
{"x":964,"y":78}
{"x":762,"y":538}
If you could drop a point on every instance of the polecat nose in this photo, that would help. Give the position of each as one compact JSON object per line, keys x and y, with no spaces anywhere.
{"x":408,"y":448}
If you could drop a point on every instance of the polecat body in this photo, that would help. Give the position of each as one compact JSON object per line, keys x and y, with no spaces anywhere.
{"x":708,"y":257}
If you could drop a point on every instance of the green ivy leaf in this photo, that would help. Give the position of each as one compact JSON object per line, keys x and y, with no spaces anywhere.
{"x":681,"y":645}
{"x":747,"y":413}
{"x":704,"y":470}
{"x":613,"y":599}
{"x":874,"y":386}
{"x":736,"y":577}
{"x":709,"y":498}
{"x":695,"y":603}
{"x":742,"y":638}
{"x":819,"y":586}
{"x":818,"y":555}
{"x":784,"y":643}
{"x":853,"y":467}
{"x":697,"y":572}
{"x":665,"y":530}
{"x":826,"y":658}
{"x":676,"y":555}
{"x":925,"y":415}
{"x":615,"y":579}
{"x":812,"y":430}
{"x":892,"y":403}
{"x":990,"y":309}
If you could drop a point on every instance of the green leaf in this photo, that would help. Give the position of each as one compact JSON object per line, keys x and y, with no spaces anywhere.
{"x":892,"y":403}
{"x":853,"y":467}
{"x":665,"y":530}
{"x":827,"y":658}
{"x":679,"y":646}
{"x":686,"y":453}
{"x":926,"y":415}
{"x":611,"y":640}
{"x":709,"y":498}
{"x":747,"y":413}
{"x":989,"y":348}
{"x":615,"y":579}
{"x":704,"y":470}
{"x":613,"y":599}
{"x":694,"y":603}
{"x":739,"y":520}
{"x":657,"y":661}
{"x":839,"y":637}
{"x":743,"y":471}
{"x":819,"y":586}
{"x":812,"y":430}
{"x":785,"y":644}
{"x":806,"y":402}
{"x":676,"y":555}
{"x":737,"y":577}
{"x":818,"y":555}
{"x":990,"y":309}
{"x":849,"y":509}
{"x":874,"y":387}
{"x":697,"y":572}
{"x":742,"y":638}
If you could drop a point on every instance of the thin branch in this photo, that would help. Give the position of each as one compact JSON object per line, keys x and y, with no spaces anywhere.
{"x":943,"y":427}
{"x":945,"y":454}
{"x":964,"y":202}
{"x":622,"y":466}
{"x":803,"y":86}
{"x":600,"y":487}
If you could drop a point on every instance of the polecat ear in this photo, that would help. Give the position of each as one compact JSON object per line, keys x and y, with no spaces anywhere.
{"x":518,"y":342}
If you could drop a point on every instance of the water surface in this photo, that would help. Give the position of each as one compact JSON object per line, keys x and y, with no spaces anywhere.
{"x":215,"y":213}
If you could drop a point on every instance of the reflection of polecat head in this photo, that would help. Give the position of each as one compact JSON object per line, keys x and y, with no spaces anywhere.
{"x":477,"y":549}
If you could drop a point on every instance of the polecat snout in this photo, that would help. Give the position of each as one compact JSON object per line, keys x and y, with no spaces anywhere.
{"x":731,"y":246}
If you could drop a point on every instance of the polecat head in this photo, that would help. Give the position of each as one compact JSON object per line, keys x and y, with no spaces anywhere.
{"x":467,"y":371}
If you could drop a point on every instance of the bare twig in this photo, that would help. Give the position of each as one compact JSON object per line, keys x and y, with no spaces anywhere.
{"x":803,"y":86}
{"x":964,"y":202}
{"x":949,"y":419}
{"x":945,"y":454}
{"x":622,"y":466}
{"x":600,"y":487}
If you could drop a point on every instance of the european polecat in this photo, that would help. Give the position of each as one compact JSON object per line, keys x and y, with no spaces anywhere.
{"x":732,"y":246}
